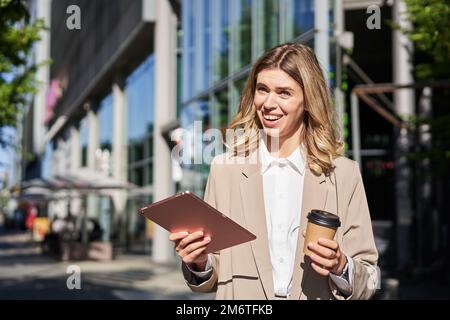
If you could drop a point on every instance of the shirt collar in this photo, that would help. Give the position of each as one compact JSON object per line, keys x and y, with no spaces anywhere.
{"x":295,"y":160}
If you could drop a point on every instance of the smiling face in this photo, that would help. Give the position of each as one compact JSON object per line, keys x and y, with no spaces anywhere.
{"x":286,"y":95}
{"x":279,"y":103}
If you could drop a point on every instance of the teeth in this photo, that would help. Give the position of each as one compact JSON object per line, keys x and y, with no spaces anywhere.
{"x":271,"y":117}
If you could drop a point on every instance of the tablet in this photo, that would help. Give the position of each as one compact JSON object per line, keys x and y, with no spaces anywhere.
{"x":186,"y":212}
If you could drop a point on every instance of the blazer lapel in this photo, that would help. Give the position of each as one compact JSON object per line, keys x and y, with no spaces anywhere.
{"x":315,"y":194}
{"x":251,"y":188}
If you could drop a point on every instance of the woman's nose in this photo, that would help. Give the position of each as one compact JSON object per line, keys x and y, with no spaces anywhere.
{"x":270,"y":102}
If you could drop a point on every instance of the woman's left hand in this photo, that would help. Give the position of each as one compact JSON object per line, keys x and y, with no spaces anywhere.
{"x":327,"y":257}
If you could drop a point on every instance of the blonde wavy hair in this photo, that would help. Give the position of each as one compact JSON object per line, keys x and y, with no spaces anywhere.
{"x":320,"y":135}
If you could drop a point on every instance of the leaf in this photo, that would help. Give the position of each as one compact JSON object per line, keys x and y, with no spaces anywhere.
{"x":17,"y":75}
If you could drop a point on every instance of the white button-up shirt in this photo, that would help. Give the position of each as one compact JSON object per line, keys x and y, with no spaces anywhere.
{"x":283,"y":180}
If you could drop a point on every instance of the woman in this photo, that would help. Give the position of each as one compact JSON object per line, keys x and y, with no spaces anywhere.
{"x":287,"y":116}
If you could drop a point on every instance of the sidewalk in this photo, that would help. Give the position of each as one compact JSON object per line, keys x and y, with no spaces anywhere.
{"x":137,"y":277}
{"x":26,"y":274}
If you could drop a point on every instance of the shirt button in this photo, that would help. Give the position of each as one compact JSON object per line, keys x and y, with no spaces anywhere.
{"x":280,"y":226}
{"x":281,"y":260}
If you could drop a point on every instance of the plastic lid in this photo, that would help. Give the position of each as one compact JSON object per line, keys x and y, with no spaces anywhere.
{"x":324,"y":219}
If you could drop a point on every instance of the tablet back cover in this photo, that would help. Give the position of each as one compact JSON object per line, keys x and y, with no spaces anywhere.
{"x":186,"y":212}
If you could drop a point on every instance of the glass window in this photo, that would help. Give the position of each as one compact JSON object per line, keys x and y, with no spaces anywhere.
{"x":195,"y":119}
{"x":131,"y":175}
{"x":271,"y":23}
{"x":222,"y":43}
{"x":84,"y":141}
{"x":105,"y":118}
{"x":303,"y":16}
{"x":187,"y":118}
{"x":245,"y":33}
{"x":47,"y":161}
{"x":179,"y":82}
{"x":206,"y":29}
{"x":238,"y":87}
{"x":149,"y":175}
{"x":240,"y":84}
{"x":222,"y":109}
{"x":150,"y":146}
{"x":140,"y":107}
{"x":138,"y":151}
{"x":130,"y":153}
{"x":199,"y":51}
{"x":188,"y":46}
{"x":140,"y":88}
{"x":203,"y":114}
{"x":298,"y":17}
{"x":66,"y":149}
{"x":139,"y":176}
{"x":190,"y":21}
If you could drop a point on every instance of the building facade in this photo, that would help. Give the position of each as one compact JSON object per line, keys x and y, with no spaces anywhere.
{"x":95,"y":115}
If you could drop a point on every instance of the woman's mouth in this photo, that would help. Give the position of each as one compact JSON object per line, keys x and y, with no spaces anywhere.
{"x":271,"y":120}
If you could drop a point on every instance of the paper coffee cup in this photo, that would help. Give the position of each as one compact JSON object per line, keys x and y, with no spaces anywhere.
{"x":321,"y":224}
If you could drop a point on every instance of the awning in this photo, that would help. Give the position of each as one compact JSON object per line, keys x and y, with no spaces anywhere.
{"x":37,"y":194}
{"x":83,"y":181}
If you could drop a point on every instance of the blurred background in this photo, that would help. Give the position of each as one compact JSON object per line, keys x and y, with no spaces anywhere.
{"x":91,"y":93}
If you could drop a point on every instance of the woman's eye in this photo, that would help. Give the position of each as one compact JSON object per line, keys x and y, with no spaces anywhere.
{"x":262,"y":89}
{"x":285,"y":93}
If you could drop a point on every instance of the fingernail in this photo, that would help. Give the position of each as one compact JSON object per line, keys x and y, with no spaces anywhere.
{"x":311,"y":245}
{"x":208,"y":238}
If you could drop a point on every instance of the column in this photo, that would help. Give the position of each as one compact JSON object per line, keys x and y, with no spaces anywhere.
{"x":404,"y":106}
{"x":75,"y":146}
{"x":61,"y":171}
{"x":119,"y":141}
{"x":42,"y":53}
{"x":339,"y":98}
{"x":75,"y":164}
{"x":93,"y":136}
{"x":119,"y":155}
{"x":165,"y":111}
{"x":258,"y":41}
{"x":91,"y":202}
{"x":321,"y":38}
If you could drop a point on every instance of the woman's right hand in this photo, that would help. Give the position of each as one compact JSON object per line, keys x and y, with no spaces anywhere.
{"x":190,"y":247}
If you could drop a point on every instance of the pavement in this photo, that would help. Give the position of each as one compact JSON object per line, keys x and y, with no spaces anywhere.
{"x":25,"y":273}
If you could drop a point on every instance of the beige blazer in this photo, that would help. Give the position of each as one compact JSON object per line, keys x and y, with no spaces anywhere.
{"x":245,"y":271}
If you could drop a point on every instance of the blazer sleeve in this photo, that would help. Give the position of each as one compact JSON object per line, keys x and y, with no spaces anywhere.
{"x":209,"y":285}
{"x":359,"y":244}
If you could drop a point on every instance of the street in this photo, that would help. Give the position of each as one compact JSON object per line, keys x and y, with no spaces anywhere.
{"x":27,"y":274}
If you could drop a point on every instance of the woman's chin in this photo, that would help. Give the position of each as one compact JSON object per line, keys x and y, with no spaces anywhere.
{"x":272,"y":132}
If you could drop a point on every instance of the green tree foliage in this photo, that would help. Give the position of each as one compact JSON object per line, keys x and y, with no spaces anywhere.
{"x":431,"y":34}
{"x":17,"y":73}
